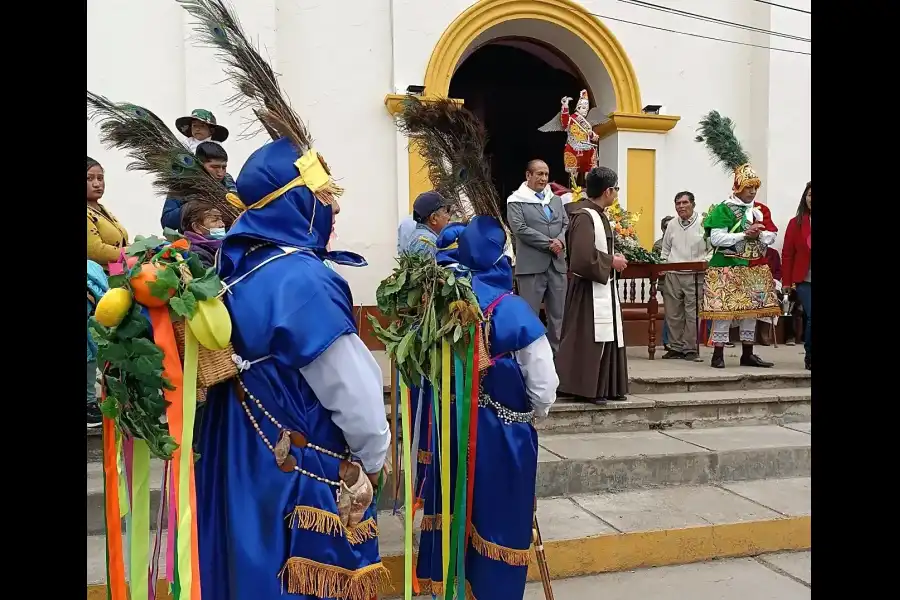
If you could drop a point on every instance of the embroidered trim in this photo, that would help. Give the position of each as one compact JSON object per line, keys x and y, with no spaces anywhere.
{"x":322,"y":521}
{"x":433,"y":522}
{"x":511,"y":556}
{"x":424,"y":457}
{"x":436,"y":588}
{"x":304,"y":576}
{"x":774,"y":311}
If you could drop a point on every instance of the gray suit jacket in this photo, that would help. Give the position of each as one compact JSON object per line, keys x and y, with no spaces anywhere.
{"x":533,"y":232}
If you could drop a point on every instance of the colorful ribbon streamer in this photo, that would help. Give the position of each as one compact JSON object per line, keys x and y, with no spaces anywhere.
{"x":139,"y":530}
{"x":408,"y":491}
{"x":188,"y":551}
{"x":445,"y":459}
{"x":475,"y":385}
{"x":115,"y":564}
{"x":181,"y":409}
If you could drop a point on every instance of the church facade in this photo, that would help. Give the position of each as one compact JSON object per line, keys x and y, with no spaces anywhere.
{"x":346,"y":64}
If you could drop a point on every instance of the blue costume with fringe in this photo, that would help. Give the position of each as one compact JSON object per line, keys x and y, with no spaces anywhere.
{"x":265,"y":533}
{"x":506,"y":449}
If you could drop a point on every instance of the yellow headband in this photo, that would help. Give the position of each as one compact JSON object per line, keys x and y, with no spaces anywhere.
{"x":312,"y":174}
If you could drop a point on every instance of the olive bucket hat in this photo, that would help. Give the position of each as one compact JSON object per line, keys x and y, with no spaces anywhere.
{"x":183,"y":124}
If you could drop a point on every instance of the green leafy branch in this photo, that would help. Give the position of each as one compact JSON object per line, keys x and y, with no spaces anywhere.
{"x":425,"y":304}
{"x":133,"y":376}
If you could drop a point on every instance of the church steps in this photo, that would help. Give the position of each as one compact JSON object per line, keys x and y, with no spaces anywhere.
{"x":591,"y":533}
{"x":613,"y":462}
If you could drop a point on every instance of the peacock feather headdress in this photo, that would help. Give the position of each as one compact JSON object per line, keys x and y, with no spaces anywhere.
{"x":154,"y":149}
{"x":452,"y":140}
{"x":717,"y":132}
{"x":257,"y":89}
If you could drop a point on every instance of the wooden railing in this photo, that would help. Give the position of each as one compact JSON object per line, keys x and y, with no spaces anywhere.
{"x":638,"y":285}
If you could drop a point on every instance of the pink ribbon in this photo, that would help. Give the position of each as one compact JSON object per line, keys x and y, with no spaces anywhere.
{"x":171,"y":527}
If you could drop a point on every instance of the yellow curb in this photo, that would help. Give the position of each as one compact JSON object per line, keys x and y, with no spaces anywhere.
{"x":626,"y":551}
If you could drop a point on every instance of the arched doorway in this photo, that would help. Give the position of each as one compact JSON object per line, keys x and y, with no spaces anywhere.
{"x":513,"y":101}
{"x":630,"y":140}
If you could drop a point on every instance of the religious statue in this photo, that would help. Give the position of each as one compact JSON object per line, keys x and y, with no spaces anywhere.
{"x":580,"y":154}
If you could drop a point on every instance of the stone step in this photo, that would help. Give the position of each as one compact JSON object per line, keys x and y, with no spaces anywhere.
{"x":588,"y":534}
{"x":644,"y":411}
{"x":595,"y":462}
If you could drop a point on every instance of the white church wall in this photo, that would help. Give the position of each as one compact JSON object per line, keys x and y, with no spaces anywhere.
{"x":335,"y":65}
{"x":337,"y":60}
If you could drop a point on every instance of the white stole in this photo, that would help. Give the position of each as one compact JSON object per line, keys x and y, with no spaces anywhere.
{"x":605,"y":295}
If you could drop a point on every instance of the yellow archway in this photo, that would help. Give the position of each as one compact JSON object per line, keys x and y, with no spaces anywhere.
{"x":485,"y":14}
{"x":627,"y":116}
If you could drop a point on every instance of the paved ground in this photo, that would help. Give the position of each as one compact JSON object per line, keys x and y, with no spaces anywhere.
{"x":585,"y":515}
{"x":783,"y":576}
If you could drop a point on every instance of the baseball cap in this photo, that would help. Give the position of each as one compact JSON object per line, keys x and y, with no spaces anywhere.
{"x":426,"y":204}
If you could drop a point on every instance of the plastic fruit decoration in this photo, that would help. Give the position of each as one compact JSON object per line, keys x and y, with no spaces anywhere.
{"x":113,"y":307}
{"x":211,"y":325}
{"x":140,"y":286}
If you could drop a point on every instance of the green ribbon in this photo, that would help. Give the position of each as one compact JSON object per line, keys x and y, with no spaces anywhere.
{"x":408,"y":491}
{"x":185,"y":517}
{"x":139,"y":528}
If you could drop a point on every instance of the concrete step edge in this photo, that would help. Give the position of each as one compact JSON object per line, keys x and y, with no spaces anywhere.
{"x":612,"y":552}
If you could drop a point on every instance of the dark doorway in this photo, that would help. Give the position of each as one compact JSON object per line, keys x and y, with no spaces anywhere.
{"x":514,"y":85}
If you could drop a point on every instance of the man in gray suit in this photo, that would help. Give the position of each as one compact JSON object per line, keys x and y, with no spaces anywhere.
{"x":538,"y":221}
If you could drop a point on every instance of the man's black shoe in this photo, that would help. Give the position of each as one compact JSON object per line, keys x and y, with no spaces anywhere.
{"x":718,"y":358}
{"x":753,"y":360}
{"x":672,"y":354}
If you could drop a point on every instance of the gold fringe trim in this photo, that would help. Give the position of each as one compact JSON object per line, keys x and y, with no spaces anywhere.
{"x":511,"y":556}
{"x":322,"y":521}
{"x":327,"y":195}
{"x":433,"y":522}
{"x":436,"y":588}
{"x":424,"y":457}
{"x":304,"y":576}
{"x":741,"y":314}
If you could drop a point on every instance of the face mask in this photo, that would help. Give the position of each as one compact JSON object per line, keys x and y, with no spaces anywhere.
{"x":217,"y":233}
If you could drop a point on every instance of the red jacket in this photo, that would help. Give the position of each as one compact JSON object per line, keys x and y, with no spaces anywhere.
{"x":796,"y":251}
{"x":769,"y":226}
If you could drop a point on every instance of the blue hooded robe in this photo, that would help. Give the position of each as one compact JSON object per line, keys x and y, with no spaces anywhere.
{"x":265,"y":534}
{"x":506,"y":450}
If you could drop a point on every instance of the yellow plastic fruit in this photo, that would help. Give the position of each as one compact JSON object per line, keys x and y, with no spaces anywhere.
{"x":113,"y":307}
{"x":211,"y":324}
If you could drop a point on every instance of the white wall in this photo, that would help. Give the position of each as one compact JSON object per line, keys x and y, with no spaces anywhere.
{"x":335,"y":65}
{"x":338,"y":60}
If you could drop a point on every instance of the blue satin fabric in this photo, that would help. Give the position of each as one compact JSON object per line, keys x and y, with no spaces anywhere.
{"x":293,"y":309}
{"x":449,"y":235}
{"x":506,"y":455}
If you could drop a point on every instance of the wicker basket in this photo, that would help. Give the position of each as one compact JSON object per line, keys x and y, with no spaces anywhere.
{"x":213,"y":366}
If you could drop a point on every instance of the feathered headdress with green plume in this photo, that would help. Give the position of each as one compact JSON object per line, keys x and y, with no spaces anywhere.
{"x":154,"y":149}
{"x":218,"y":27}
{"x":452,"y":140}
{"x":717,"y":132}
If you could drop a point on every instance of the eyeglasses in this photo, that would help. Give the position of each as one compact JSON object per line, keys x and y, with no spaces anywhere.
{"x":616,"y":188}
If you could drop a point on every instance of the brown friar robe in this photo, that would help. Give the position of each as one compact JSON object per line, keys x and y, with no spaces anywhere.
{"x":586,"y":368}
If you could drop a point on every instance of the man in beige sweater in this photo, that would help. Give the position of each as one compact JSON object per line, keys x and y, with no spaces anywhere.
{"x":683,"y":242}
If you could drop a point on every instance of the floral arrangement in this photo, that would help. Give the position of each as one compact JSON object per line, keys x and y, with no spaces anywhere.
{"x":623,"y":223}
{"x":162,"y":275}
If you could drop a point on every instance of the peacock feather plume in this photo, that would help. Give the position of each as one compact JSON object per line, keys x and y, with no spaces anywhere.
{"x":452,"y":140}
{"x":154,"y":149}
{"x":717,"y":132}
{"x":257,"y":87}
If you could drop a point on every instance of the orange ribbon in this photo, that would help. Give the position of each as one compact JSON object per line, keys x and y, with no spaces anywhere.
{"x":116,"y":561}
{"x":164,"y":337}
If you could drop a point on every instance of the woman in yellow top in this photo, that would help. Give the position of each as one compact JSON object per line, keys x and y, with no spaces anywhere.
{"x":105,"y":236}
